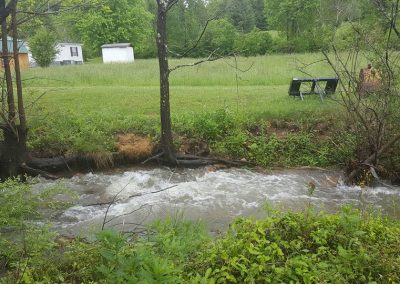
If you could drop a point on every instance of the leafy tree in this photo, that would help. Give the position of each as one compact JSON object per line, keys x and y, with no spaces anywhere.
{"x":239,"y":12}
{"x":43,"y":47}
{"x":220,"y":35}
{"x":335,"y":12}
{"x":259,"y":14}
{"x":114,"y":21}
{"x":186,"y":21}
{"x":255,"y":42}
{"x":292,"y":17}
{"x":346,"y":36}
{"x":14,"y":158}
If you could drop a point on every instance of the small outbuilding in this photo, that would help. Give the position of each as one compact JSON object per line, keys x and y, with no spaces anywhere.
{"x":22,"y":55}
{"x":118,"y":53}
{"x":68,"y":53}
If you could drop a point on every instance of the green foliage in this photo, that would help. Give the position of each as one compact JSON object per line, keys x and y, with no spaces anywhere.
{"x":22,"y":243}
{"x":346,"y":37}
{"x":114,"y":22}
{"x":213,"y":126}
{"x":241,"y":14}
{"x":43,"y":47}
{"x":294,"y":18}
{"x":150,"y":261}
{"x":84,"y":107}
{"x":220,"y":36}
{"x":72,"y":133}
{"x":255,"y":42}
{"x":186,"y":21}
{"x":306,"y":248}
{"x":161,"y":257}
{"x":20,"y":204}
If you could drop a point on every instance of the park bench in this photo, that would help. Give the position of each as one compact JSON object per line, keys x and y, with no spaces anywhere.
{"x":330,"y":87}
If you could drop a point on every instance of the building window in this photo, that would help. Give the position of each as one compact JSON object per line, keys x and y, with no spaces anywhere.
{"x":74,"y":51}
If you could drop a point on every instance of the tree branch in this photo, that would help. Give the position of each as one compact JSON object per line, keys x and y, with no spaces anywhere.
{"x":208,"y":59}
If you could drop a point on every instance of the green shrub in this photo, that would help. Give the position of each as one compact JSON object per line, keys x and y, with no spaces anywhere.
{"x":346,"y":36}
{"x":159,"y":258}
{"x":24,"y":244}
{"x":215,"y":125}
{"x":254,"y":43}
{"x":43,"y":47}
{"x":220,"y":36}
{"x":306,"y":248}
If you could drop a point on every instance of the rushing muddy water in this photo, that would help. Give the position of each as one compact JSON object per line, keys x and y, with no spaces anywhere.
{"x":216,"y":197}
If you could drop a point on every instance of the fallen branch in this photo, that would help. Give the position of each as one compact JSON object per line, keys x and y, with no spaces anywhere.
{"x":36,"y":172}
{"x":356,"y":172}
{"x":196,"y":160}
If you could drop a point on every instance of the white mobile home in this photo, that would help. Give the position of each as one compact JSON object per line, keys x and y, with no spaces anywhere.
{"x":69,"y":53}
{"x":117,"y":53}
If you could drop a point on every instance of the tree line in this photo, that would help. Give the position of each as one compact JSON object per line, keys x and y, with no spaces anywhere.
{"x":245,"y":27}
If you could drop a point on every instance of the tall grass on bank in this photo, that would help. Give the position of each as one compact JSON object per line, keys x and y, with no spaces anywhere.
{"x":81,"y":108}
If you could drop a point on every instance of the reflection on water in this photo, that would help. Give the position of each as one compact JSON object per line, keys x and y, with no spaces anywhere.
{"x":214,"y":197}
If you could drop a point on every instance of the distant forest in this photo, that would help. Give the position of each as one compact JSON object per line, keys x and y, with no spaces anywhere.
{"x":243,"y":27}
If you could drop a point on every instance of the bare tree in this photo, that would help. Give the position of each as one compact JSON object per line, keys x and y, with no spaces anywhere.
{"x":163,"y":6}
{"x":167,"y":146}
{"x":13,"y":150}
{"x":372,"y":106}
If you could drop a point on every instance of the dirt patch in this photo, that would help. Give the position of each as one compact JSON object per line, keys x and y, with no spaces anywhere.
{"x":194,"y":147}
{"x":283,"y":128}
{"x":134,"y":146}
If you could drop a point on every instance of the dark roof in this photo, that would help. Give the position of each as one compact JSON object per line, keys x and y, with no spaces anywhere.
{"x":69,"y":43}
{"x":116,"y":45}
{"x":21,"y":45}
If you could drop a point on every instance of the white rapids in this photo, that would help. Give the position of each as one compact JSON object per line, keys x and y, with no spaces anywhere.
{"x":215,"y":197}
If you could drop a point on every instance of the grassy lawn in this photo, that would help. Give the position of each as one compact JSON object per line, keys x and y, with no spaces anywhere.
{"x":94,"y":101}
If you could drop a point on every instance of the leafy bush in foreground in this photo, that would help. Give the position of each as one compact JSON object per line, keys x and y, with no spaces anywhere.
{"x":306,"y":248}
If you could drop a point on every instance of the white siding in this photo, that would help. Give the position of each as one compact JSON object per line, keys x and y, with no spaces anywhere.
{"x":64,"y":53}
{"x":118,"y":55}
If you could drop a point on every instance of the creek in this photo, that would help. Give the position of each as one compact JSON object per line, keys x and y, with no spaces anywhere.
{"x":215,"y":197}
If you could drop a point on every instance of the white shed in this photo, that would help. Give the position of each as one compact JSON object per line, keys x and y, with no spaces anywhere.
{"x":117,"y":53}
{"x":69,"y":53}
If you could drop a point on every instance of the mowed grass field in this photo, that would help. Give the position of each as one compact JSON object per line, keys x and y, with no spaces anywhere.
{"x":106,"y":99}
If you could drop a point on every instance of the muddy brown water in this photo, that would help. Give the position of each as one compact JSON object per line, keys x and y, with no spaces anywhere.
{"x":214,"y":197}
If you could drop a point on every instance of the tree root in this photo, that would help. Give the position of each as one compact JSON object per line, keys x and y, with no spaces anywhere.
{"x":192,"y":160}
{"x":36,"y":172}
{"x":186,"y":160}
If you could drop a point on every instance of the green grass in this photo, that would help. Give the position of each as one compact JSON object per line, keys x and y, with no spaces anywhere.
{"x":265,"y":71}
{"x":133,"y":88}
{"x":95,"y":101}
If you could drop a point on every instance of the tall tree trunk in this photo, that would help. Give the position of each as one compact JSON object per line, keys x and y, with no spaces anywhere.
{"x":13,"y":151}
{"x":17,"y":67}
{"x":7,"y":69}
{"x":166,"y":131}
